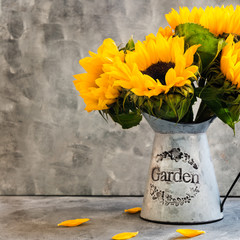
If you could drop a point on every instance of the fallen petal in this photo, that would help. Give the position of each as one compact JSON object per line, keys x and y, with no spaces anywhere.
{"x":190,"y":232}
{"x":125,"y":235}
{"x":133,"y":210}
{"x":73,"y":222}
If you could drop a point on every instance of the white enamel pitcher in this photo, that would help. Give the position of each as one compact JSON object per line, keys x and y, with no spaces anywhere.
{"x":181,"y":186}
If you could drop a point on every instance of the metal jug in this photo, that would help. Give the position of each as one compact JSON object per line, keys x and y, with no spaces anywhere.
{"x":181,"y":186}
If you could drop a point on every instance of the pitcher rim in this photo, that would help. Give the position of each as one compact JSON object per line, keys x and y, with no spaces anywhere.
{"x":165,"y":126}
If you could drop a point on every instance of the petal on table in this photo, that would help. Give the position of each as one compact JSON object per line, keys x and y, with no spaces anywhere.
{"x":124,"y":235}
{"x":190,"y":232}
{"x":73,"y":222}
{"x":133,"y":210}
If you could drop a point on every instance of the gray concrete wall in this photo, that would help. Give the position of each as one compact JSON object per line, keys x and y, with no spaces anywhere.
{"x":48,"y":143}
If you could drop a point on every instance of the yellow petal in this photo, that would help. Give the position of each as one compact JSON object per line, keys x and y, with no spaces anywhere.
{"x":163,"y":47}
{"x":133,"y":210}
{"x":189,"y":54}
{"x":190,"y":232}
{"x":167,"y":32}
{"x":170,"y":77}
{"x":74,"y":222}
{"x":218,"y":20}
{"x":124,"y":235}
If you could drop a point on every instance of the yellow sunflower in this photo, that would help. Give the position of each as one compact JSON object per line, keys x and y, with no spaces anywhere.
{"x":96,"y":87}
{"x":155,"y":66}
{"x":230,"y":61}
{"x":129,"y":77}
{"x":184,"y":16}
{"x":218,"y":20}
{"x":167,"y":32}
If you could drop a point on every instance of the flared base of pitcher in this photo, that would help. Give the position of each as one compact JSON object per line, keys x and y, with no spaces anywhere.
{"x":183,"y":223}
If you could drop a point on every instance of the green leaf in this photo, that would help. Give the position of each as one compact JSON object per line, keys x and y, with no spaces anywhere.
{"x":222,"y":112}
{"x":140,"y":101}
{"x":196,"y":34}
{"x":185,"y":113}
{"x":125,"y":98}
{"x":127,"y":120}
{"x":204,"y":113}
{"x":149,"y":106}
{"x":103,"y":114}
{"x":171,"y":100}
{"x":210,"y":96}
{"x":235,"y":112}
{"x":130,"y":46}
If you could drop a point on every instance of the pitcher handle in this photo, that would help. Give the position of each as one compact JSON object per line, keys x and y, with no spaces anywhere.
{"x":230,"y":189}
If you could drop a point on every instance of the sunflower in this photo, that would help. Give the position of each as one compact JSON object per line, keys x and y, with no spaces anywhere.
{"x":94,"y":86}
{"x":156,"y":65}
{"x":130,"y":78}
{"x":184,"y":16}
{"x":218,"y":20}
{"x":230,"y":61}
{"x":167,"y":32}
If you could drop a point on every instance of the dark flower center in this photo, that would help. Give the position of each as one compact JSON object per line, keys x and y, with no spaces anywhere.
{"x":159,"y":70}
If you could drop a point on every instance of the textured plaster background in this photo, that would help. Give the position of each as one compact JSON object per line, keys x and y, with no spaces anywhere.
{"x":48,"y":143}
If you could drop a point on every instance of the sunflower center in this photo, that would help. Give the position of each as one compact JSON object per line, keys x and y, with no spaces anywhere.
{"x":159,"y":70}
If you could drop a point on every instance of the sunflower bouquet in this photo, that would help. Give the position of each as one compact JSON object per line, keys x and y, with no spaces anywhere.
{"x":196,"y":57}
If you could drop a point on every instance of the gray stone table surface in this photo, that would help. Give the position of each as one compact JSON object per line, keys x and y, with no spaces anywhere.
{"x":37,"y":217}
